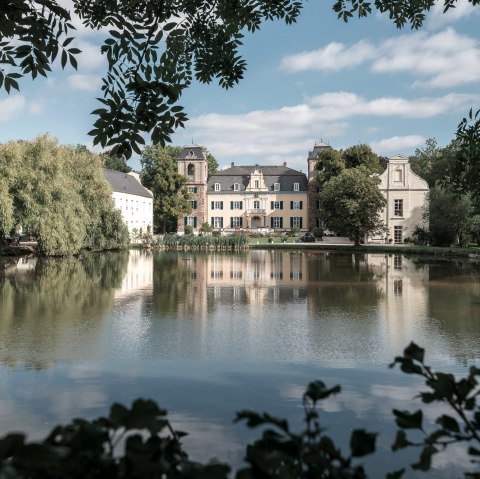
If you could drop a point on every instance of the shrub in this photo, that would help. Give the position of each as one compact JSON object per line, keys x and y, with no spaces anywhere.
{"x":318,"y":233}
{"x":188,"y":230}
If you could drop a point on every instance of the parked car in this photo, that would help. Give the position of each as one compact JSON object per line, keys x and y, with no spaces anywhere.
{"x":263,"y":230}
{"x":308,"y":237}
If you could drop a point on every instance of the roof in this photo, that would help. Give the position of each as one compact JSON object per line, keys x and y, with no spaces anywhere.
{"x":125,"y":183}
{"x":194,"y":152}
{"x":271,"y":174}
{"x":317,"y":148}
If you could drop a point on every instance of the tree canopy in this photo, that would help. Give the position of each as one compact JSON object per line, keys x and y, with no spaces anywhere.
{"x":351,"y":202}
{"x":58,"y":194}
{"x":159,"y":174}
{"x":156,"y":48}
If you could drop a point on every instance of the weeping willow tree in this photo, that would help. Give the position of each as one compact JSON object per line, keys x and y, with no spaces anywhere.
{"x":58,"y":194}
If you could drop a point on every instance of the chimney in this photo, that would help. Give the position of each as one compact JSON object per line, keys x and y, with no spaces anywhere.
{"x":233,"y":164}
{"x":284,"y":163}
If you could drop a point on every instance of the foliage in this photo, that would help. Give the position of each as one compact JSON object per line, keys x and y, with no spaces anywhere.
{"x":359,"y":155}
{"x":475,"y":228}
{"x":160,"y":175}
{"x":189,"y":230}
{"x":350,"y":204}
{"x":212,"y":163}
{"x":115,"y":162}
{"x":448,"y":217}
{"x":58,"y":194}
{"x":459,"y":395}
{"x":329,"y":165}
{"x":317,"y":232}
{"x":140,"y":441}
{"x":206,"y":227}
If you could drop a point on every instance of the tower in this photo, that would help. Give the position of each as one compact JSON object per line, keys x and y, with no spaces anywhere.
{"x":193,"y":165}
{"x":313,"y":205}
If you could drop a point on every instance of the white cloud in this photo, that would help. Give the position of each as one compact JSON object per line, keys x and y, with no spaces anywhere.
{"x":397,"y":144}
{"x":91,"y":57}
{"x":439,"y":60}
{"x":463,"y":8}
{"x":36,"y":108}
{"x":11,"y":107}
{"x":288,"y":133}
{"x":84,"y":82}
{"x":335,"y":56}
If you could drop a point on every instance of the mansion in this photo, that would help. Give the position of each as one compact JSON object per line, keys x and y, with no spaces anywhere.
{"x":280,"y":198}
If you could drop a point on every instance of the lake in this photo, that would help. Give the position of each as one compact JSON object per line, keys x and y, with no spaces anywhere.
{"x":206,"y":335}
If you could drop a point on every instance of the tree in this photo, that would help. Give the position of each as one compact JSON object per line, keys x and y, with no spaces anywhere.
{"x":359,"y":155}
{"x":448,"y":216}
{"x":212,"y":162}
{"x":58,"y":194}
{"x":154,"y":50}
{"x":350,"y":204}
{"x":329,"y":165}
{"x":159,"y":174}
{"x":115,"y":162}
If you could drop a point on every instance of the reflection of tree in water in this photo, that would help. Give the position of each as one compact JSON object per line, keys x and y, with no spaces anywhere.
{"x":342,"y":281}
{"x":454,"y":306}
{"x":55,"y":308}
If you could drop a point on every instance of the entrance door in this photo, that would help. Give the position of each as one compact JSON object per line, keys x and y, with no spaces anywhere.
{"x":256,"y":222}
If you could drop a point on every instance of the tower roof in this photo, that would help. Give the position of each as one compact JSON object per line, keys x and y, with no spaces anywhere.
{"x":192,"y":152}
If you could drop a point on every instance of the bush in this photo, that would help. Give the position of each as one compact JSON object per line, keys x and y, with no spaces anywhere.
{"x":318,"y":233}
{"x":188,"y":230}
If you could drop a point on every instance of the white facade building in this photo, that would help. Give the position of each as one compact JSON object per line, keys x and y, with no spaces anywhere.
{"x":407,"y":195}
{"x":133,"y":200}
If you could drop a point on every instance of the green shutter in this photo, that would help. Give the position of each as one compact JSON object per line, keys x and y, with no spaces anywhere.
{"x":231,"y":221}
{"x":301,"y":204}
{"x":291,"y":221}
{"x":221,"y":222}
{"x":301,"y":222}
{"x":194,"y":221}
{"x":281,"y":205}
{"x":211,"y":221}
{"x":271,"y":205}
{"x":271,"y":222}
{"x":241,"y":222}
{"x":221,"y":205}
{"x":291,"y":205}
{"x":213,"y":205}
{"x":241,"y":205}
{"x":281,"y":221}
{"x":231,"y":205}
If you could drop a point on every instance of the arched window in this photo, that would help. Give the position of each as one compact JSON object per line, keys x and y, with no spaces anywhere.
{"x":191,"y":171}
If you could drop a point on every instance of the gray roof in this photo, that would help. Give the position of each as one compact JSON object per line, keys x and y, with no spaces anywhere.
{"x":125,"y":183}
{"x":317,"y":149}
{"x":195,"y":152}
{"x":271,"y":174}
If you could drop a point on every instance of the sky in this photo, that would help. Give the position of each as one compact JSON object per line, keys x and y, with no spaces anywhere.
{"x":319,"y":80}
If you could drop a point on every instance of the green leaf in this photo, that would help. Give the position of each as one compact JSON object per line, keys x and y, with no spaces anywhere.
{"x":401,"y":441}
{"x":396,"y":474}
{"x":415,"y":352}
{"x":425,"y":461}
{"x":406,"y":420}
{"x":362,"y":442}
{"x":448,"y":422}
{"x":317,"y":390}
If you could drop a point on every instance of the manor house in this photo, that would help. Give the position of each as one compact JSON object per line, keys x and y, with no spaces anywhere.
{"x":280,"y":198}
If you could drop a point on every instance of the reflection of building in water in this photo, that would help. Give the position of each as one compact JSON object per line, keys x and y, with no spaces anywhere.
{"x":139,"y":275}
{"x":22,"y":266}
{"x":404,"y":305}
{"x":255,"y":278}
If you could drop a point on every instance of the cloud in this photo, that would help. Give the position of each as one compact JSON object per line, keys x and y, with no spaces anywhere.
{"x":36,"y":108}
{"x":439,"y":60}
{"x":288,"y":133}
{"x":91,"y":57}
{"x":335,"y":56}
{"x":397,"y":143}
{"x":463,"y":8}
{"x":11,"y":107}
{"x":84,"y":82}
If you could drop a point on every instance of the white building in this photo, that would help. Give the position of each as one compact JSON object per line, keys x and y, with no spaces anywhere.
{"x":133,"y":200}
{"x":406,"y":195}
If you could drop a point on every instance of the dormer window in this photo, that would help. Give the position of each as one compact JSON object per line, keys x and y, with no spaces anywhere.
{"x":257,"y":184}
{"x":296,"y":187}
{"x":236,"y":187}
{"x":276,"y":187}
{"x":216,"y":186}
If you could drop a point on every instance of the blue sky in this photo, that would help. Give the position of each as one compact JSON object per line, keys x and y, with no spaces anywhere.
{"x":320,"y":79}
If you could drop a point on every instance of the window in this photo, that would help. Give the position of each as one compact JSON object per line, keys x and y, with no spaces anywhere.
{"x":296,"y":222}
{"x":296,"y":205}
{"x":193,"y":189}
{"x":257,"y":184}
{"x":194,"y":204}
{"x":190,"y":221}
{"x":296,"y":187}
{"x":236,"y":222}
{"x":398,"y":209}
{"x":397,"y":287}
{"x":191,"y":171}
{"x":276,"y":275}
{"x":398,"y":175}
{"x":236,"y":205}
{"x":216,"y":274}
{"x":276,"y":187}
{"x":397,"y":261}
{"x":236,"y":187}
{"x":216,"y":186}
{"x":276,"y":205}
{"x":256,"y":205}
{"x":397,"y":234}
{"x":318,"y":223}
{"x":318,"y":204}
{"x":276,"y":222}
{"x":236,"y":274}
{"x":217,"y":205}
{"x":217,"y":222}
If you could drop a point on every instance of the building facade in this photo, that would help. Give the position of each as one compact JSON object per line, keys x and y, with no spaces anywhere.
{"x":134,"y":201}
{"x":279,"y":198}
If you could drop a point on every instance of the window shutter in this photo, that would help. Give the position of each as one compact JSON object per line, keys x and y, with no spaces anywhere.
{"x":271,"y":222}
{"x":231,"y":205}
{"x":221,"y":222}
{"x":231,"y":222}
{"x":241,"y":205}
{"x":291,"y":221}
{"x":281,"y":222}
{"x":241,"y":222}
{"x":194,"y":221}
{"x":301,"y":222}
{"x":212,"y":221}
{"x":221,"y":205}
{"x":213,"y":205}
{"x":271,"y":205}
{"x":281,"y":205}
{"x":291,"y":205}
{"x":301,"y":204}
